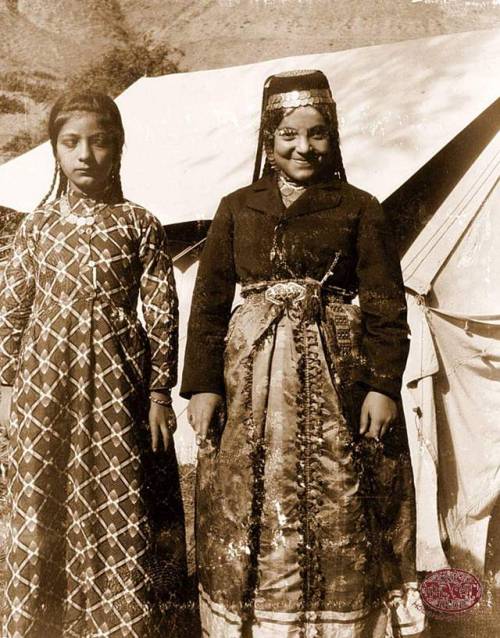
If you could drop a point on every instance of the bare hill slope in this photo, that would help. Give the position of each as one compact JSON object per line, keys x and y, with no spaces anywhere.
{"x":49,"y":45}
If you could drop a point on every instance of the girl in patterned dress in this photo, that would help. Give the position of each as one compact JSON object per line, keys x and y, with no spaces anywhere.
{"x":305,"y":505}
{"x":97,"y":534}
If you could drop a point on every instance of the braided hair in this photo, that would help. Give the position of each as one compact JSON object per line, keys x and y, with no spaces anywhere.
{"x":106,"y":109}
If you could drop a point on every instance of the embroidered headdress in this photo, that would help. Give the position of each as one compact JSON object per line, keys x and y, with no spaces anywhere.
{"x":297,"y":88}
{"x":292,"y":89}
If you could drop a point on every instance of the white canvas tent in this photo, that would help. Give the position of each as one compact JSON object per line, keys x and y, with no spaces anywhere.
{"x":191,"y":137}
{"x":451,"y":394}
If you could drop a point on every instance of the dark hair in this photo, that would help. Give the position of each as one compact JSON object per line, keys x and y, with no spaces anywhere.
{"x":333,"y":167}
{"x":106,"y":109}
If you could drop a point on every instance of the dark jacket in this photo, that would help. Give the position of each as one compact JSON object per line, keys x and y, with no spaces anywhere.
{"x":328,"y":218}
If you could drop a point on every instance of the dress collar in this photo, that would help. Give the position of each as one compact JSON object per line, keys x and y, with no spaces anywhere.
{"x":290,"y":190}
{"x":81,"y":209}
{"x":264,"y":195}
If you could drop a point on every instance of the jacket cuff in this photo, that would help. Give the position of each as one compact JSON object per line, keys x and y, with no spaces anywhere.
{"x":187,"y":391}
{"x":390,"y":387}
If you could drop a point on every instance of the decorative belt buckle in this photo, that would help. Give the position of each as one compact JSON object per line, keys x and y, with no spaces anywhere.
{"x":283,"y":293}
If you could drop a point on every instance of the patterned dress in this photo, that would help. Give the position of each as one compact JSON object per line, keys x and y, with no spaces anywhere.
{"x":97,"y":536}
{"x":304,"y":528}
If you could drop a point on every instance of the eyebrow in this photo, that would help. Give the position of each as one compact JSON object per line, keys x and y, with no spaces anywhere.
{"x":312,"y":128}
{"x":97,"y":134}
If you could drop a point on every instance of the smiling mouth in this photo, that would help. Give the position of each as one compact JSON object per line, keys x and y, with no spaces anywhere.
{"x":302,"y":162}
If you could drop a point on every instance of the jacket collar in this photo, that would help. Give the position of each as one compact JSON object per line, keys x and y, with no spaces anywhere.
{"x":264,"y":196}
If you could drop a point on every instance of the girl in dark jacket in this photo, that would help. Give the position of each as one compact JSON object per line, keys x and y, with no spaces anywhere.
{"x":305,"y":510}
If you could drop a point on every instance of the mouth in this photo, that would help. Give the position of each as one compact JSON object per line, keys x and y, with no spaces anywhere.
{"x":302,"y":162}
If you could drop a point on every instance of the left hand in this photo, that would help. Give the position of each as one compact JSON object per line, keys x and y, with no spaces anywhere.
{"x":162,"y":422}
{"x":378,"y":412}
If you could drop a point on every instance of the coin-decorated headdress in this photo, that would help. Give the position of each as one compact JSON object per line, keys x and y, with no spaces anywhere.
{"x":289,"y":90}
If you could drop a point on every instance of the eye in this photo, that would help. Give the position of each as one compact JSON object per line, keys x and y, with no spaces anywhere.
{"x":287,"y":133}
{"x":69,"y":142}
{"x":102,"y":141}
{"x":319,"y":133}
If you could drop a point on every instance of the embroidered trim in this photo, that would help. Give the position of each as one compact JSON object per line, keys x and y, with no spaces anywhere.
{"x":310,"y":485}
{"x":293,"y":99}
{"x":256,"y":444}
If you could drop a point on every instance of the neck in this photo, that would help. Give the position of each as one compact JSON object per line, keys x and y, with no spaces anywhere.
{"x":75,"y":193}
{"x":284,"y":178}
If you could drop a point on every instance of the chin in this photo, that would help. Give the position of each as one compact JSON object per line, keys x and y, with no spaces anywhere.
{"x":88,"y":186}
{"x":302,"y":176}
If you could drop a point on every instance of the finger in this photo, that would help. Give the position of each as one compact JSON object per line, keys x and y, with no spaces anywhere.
{"x":374,"y":431}
{"x":197,"y":426}
{"x":165,"y":435}
{"x":193,"y":420}
{"x":172,"y":422}
{"x":364,"y":421}
{"x":155,"y":436}
{"x":385,"y":428}
{"x":204,"y":423}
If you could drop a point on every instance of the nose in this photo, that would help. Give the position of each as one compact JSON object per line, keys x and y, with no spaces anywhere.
{"x":303,"y":145}
{"x":84,"y":151}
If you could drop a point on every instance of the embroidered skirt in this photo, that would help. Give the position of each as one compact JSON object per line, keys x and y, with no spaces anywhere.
{"x":304,"y":528}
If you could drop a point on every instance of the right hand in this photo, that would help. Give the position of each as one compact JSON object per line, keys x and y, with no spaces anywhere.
{"x":5,"y":405}
{"x":200,"y":412}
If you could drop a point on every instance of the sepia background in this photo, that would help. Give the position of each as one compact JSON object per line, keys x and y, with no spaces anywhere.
{"x":51,"y":45}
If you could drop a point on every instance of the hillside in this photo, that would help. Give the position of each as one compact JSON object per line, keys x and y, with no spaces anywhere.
{"x":48,"y":46}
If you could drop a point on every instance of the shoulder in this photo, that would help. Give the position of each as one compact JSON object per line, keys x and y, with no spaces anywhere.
{"x":245,"y":191}
{"x":37,"y":218}
{"x":139,"y":215}
{"x":243,"y":194}
{"x":133,"y":209}
{"x":357,"y":195}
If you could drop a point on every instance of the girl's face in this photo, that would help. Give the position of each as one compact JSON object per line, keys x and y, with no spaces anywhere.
{"x":86,"y":152}
{"x":301,"y":143}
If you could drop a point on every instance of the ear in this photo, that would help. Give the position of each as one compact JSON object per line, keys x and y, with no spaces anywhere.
{"x":270,"y":158}
{"x":115,"y":169}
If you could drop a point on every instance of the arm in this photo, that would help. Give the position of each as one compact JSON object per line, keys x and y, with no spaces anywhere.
{"x":203,"y":377}
{"x":17,"y":292}
{"x":211,"y":309}
{"x":383,"y":307}
{"x":160,"y":311}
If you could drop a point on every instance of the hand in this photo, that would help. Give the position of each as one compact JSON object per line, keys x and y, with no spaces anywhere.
{"x":162,"y":422}
{"x":378,"y":412}
{"x":200,"y":412}
{"x":5,"y":405}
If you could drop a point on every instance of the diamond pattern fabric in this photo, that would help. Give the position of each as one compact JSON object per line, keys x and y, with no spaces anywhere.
{"x":97,"y":537}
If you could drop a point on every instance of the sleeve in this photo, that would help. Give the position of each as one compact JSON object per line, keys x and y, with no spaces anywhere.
{"x":211,"y":309}
{"x":159,"y":306}
{"x":382,"y":301}
{"x":17,"y":292}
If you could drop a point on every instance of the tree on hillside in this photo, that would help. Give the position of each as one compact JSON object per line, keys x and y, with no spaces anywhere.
{"x":12,"y":6}
{"x":122,"y":66}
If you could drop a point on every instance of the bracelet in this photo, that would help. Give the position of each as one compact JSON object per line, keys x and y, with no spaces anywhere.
{"x":166,"y":403}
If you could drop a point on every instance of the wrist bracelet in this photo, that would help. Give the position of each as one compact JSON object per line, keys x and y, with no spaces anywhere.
{"x":166,"y":403}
